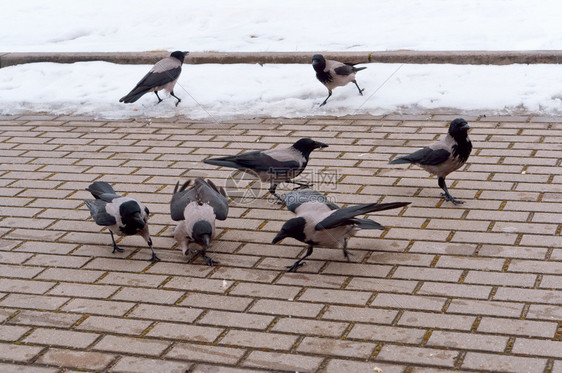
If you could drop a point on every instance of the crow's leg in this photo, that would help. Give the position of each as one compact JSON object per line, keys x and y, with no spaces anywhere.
{"x":329,"y":94}
{"x":272,"y":190}
{"x":346,"y":253}
{"x":447,"y":195}
{"x":360,"y":90}
{"x":210,"y":262}
{"x":115,"y":247}
{"x":153,"y":258}
{"x":159,"y":99}
{"x":177,"y":98}
{"x":299,"y":263}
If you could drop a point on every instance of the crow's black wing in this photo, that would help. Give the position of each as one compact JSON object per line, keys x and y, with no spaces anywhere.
{"x":345,"y":215}
{"x":99,"y":214}
{"x":156,"y":79}
{"x":344,"y":70}
{"x":257,"y":161}
{"x":180,"y":199}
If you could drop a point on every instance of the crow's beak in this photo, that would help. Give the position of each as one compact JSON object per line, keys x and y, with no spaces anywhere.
{"x":185,"y":53}
{"x":465,"y":126}
{"x":318,"y":145}
{"x":280,"y":236}
{"x":207,"y":240}
{"x":139,"y":220}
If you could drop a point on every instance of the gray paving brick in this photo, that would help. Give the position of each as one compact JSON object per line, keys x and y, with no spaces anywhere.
{"x":475,"y":279}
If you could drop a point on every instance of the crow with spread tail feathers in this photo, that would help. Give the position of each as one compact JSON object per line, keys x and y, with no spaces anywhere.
{"x":274,"y":166}
{"x":196,"y":209}
{"x":163,"y":75}
{"x":123,"y":216}
{"x":443,"y":156}
{"x":320,"y":222}
{"x":334,"y":74}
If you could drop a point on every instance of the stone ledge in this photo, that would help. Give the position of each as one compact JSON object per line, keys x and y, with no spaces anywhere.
{"x":402,"y":56}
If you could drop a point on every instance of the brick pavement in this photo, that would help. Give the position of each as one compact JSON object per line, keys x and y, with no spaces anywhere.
{"x":474,"y":287}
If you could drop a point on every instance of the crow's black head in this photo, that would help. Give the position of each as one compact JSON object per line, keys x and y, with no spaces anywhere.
{"x":202,"y":232}
{"x":179,"y":55}
{"x":458,"y":128}
{"x":306,"y":146}
{"x":318,"y":62}
{"x":131,"y":217}
{"x":292,"y":228}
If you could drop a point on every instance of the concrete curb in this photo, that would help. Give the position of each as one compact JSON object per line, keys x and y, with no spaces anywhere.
{"x":403,"y":56}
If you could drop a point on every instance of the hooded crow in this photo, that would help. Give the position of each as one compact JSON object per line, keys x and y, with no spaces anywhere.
{"x":274,"y":166}
{"x":123,"y":216}
{"x":320,"y":222}
{"x":443,"y":156}
{"x":196,"y":209}
{"x":334,"y":74}
{"x":163,"y":75}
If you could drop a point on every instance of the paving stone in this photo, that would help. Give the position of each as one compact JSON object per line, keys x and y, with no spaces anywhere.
{"x":483,"y":361}
{"x":332,"y":347}
{"x":46,"y":319}
{"x":485,"y":307}
{"x":337,"y":365}
{"x":288,"y":362}
{"x":11,"y":333}
{"x":98,"y":307}
{"x":144,"y":365}
{"x":278,"y":307}
{"x":360,"y":314}
{"x":12,"y":352}
{"x":417,"y":355}
{"x":466,"y":341}
{"x":185,"y":332}
{"x":42,"y":302}
{"x":65,"y":338}
{"x":76,"y":359}
{"x":538,"y":347}
{"x":236,"y":320}
{"x":114,"y":325}
{"x":140,"y":346}
{"x":436,"y":320}
{"x":213,"y":354}
{"x":310,"y":327}
{"x":167,"y":313}
{"x":5,"y":367}
{"x":274,"y":341}
{"x":517,"y":327}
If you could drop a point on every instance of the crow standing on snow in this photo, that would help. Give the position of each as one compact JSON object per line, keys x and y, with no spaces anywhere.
{"x":196,"y":209}
{"x":123,"y":216}
{"x":322,"y":223}
{"x":444,"y":156}
{"x":163,"y":75}
{"x":274,"y":166}
{"x":334,"y":74}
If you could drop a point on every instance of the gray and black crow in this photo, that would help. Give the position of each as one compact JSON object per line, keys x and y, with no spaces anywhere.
{"x":123,"y":216}
{"x":196,"y":209}
{"x":443,"y":156}
{"x":163,"y":75}
{"x":274,"y":166}
{"x":334,"y":74}
{"x":320,"y":222}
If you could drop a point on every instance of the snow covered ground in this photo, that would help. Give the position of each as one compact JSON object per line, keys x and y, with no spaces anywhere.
{"x":218,"y":91}
{"x":94,"y":88}
{"x":287,"y":25}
